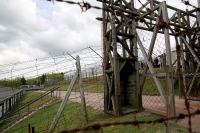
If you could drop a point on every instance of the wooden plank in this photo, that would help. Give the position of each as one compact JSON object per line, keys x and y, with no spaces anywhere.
{"x":169,"y":60}
{"x":147,"y":13}
{"x":155,"y":111}
{"x":122,"y":66}
{"x":192,"y":52}
{"x":60,"y":110}
{"x":81,"y":89}
{"x":110,"y":95}
{"x":153,"y":39}
{"x":140,"y":9}
{"x":160,"y":89}
{"x":184,"y":20}
{"x":152,"y":74}
{"x":125,"y":35}
{"x":173,"y":16}
{"x":127,"y":59}
{"x":193,"y":80}
{"x":128,"y":110}
{"x":125,"y":45}
{"x":127,"y":5}
{"x":116,"y":66}
{"x":123,"y":25}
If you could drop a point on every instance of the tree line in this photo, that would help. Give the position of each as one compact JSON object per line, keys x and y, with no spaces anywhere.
{"x":40,"y":80}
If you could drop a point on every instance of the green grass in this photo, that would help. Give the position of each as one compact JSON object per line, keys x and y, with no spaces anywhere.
{"x":72,"y":117}
{"x":25,"y":99}
{"x":89,"y":84}
{"x":150,"y":87}
{"x":96,"y":85}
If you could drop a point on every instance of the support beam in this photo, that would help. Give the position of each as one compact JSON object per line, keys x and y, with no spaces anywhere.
{"x":116,"y":66}
{"x":169,"y":61}
{"x":157,"y":82}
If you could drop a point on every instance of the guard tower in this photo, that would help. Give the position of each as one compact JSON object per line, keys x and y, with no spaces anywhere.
{"x":121,"y":43}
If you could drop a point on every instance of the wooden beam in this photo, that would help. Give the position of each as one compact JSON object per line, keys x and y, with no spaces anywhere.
{"x":125,"y":35}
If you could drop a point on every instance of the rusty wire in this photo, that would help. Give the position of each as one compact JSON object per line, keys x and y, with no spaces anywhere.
{"x":187,"y":3}
{"x":86,"y":6}
{"x":167,"y":26}
{"x":163,"y":25}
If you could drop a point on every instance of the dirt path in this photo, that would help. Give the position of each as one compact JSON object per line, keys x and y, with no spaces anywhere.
{"x":180,"y":108}
{"x":94,"y":100}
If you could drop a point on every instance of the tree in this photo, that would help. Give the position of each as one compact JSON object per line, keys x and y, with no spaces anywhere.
{"x":43,"y":79}
{"x":23,"y":81}
{"x":92,"y":72}
{"x":62,"y":75}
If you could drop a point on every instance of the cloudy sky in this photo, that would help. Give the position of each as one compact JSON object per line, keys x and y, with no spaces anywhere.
{"x":31,"y":29}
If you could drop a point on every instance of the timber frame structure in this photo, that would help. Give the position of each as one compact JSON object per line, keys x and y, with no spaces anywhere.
{"x":122,"y":82}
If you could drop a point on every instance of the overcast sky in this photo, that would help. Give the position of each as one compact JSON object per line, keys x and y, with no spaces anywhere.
{"x":31,"y":29}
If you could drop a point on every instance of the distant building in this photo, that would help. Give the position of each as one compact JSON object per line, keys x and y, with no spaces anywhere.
{"x":8,"y":98}
{"x":88,"y":71}
{"x":50,"y":81}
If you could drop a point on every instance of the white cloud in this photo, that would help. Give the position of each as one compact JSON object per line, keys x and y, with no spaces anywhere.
{"x":32,"y":29}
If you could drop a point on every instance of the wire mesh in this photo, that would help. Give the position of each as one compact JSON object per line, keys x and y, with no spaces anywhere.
{"x":150,"y":95}
{"x":93,"y":87}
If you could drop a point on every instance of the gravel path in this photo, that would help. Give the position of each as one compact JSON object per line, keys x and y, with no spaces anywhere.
{"x":94,"y":100}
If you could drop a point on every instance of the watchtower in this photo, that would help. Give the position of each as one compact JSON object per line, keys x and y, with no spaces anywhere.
{"x":121,"y":45}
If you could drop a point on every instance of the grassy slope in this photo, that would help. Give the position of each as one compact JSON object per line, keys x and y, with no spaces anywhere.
{"x":72,"y":117}
{"x":89,"y":84}
{"x":26,"y":98}
{"x":96,"y":85}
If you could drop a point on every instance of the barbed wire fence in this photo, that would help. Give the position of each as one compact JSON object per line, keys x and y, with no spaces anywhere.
{"x":89,"y":74}
{"x":92,"y":83}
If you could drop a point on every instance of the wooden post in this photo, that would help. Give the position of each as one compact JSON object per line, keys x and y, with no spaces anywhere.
{"x":33,"y":129}
{"x":28,"y":107}
{"x":81,"y":89}
{"x":169,"y":60}
{"x":9,"y":104}
{"x":57,"y":117}
{"x":116,"y":66}
{"x":29,"y":128}
{"x":167,"y":99}
{"x":2,"y":109}
{"x":6,"y":105}
{"x":104,"y":58}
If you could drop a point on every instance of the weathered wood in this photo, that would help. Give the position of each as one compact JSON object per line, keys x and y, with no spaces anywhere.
{"x":153,"y":39}
{"x":109,"y":70}
{"x":122,"y":65}
{"x":123,"y":31}
{"x":128,"y":59}
{"x":167,"y":97}
{"x":127,"y":5}
{"x":169,"y":61}
{"x":125,"y":46}
{"x":153,"y":74}
{"x":81,"y":89}
{"x":105,"y":63}
{"x":163,"y":113}
{"x":125,"y":35}
{"x":60,"y":110}
{"x":29,"y":128}
{"x":157,"y":82}
{"x":116,"y":66}
{"x":111,"y":92}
